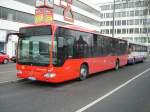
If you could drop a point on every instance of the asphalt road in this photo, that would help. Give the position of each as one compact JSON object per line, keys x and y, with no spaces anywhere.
{"x":7,"y":72}
{"x":125,"y":90}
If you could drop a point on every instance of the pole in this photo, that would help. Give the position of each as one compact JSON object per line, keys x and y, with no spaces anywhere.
{"x":113,"y":27}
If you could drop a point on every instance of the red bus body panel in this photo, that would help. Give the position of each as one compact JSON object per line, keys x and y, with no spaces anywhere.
{"x":71,"y":68}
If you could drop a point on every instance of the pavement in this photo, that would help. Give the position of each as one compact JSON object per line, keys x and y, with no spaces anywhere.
{"x":125,"y":90}
{"x":8,"y":73}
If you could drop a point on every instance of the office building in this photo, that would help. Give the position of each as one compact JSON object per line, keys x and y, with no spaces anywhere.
{"x":131,"y":20}
{"x":18,"y":13}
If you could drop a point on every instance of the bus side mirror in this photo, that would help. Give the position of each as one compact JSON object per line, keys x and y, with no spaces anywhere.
{"x":9,"y":34}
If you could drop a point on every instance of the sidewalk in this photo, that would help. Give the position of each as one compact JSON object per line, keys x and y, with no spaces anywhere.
{"x":8,"y":73}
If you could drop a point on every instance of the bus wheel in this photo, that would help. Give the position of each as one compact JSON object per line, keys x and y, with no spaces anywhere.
{"x":117,"y":65}
{"x":83,"y":72}
{"x":142,"y":60}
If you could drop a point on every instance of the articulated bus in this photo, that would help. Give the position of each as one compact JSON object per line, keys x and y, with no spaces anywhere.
{"x":136,"y":52}
{"x":53,"y":53}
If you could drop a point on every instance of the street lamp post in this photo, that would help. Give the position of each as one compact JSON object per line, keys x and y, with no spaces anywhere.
{"x":113,"y":27}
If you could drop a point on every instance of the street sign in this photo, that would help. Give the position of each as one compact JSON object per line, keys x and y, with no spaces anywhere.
{"x":43,"y":16}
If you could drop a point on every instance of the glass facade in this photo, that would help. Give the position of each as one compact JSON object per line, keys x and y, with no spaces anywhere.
{"x":125,"y":4}
{"x":17,"y":16}
{"x":132,"y":19}
{"x":85,"y":7}
{"x":127,"y":13}
{"x":29,"y":2}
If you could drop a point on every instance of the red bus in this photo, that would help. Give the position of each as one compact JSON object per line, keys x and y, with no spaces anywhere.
{"x":56,"y":54}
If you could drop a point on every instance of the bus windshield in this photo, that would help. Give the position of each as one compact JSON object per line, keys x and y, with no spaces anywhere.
{"x":34,"y":48}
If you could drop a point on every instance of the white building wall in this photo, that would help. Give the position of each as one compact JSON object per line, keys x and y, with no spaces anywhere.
{"x":127,"y":35}
{"x":10,"y":25}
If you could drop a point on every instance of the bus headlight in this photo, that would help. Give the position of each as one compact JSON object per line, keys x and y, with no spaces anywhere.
{"x":19,"y":72}
{"x":49,"y":75}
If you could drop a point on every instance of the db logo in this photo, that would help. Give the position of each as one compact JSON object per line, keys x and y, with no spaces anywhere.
{"x":68,"y":13}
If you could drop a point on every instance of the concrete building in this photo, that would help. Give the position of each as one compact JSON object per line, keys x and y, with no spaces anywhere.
{"x":18,"y":13}
{"x":132,"y":20}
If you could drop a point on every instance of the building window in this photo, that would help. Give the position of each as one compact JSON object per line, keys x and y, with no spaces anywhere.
{"x":144,"y":21}
{"x":125,"y":5}
{"x":84,"y":6}
{"x":123,"y":22}
{"x":131,"y":5}
{"x":111,"y":23}
{"x":141,"y":21}
{"x":107,"y":31}
{"x":148,"y":21}
{"x":123,"y":31}
{"x":137,"y":22}
{"x":118,"y":14}
{"x":131,"y":30}
{"x":105,"y":7}
{"x":148,"y":30}
{"x":136,"y":30}
{"x":145,"y":12}
{"x":118,"y":6}
{"x":124,"y":14}
{"x":118,"y":31}
{"x":111,"y":31}
{"x":128,"y":13}
{"x":141,"y":13}
{"x":127,"y":31}
{"x":131,"y":22}
{"x":13,"y":15}
{"x":144,"y":30}
{"x":119,"y":23}
{"x":137,"y":13}
{"x":107,"y":23}
{"x":131,"y":13}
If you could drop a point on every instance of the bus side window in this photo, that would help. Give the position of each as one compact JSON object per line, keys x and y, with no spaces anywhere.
{"x":80,"y":46}
{"x":70,"y":43}
{"x":95,"y":46}
{"x":62,"y":50}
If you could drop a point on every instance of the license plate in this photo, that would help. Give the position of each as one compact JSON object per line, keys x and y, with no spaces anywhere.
{"x":32,"y":78}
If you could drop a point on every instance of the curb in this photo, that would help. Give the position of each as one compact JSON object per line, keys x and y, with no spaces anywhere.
{"x":11,"y":81}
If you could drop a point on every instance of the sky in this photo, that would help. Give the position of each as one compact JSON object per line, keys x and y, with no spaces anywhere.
{"x":99,"y":1}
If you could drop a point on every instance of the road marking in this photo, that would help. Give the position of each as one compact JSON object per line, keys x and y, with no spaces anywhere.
{"x":8,"y":71}
{"x":11,"y":81}
{"x":111,"y":92}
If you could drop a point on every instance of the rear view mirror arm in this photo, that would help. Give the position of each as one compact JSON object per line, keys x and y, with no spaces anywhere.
{"x":9,"y":34}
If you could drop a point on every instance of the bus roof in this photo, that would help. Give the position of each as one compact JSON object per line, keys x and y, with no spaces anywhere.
{"x":73,"y":27}
{"x":137,"y":43}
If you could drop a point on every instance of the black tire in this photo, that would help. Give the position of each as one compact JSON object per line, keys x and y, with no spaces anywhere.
{"x":5,"y":61}
{"x":83,"y":72}
{"x":117,"y":65}
{"x":142,"y":60}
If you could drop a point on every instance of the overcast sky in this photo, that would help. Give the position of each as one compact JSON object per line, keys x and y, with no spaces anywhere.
{"x":99,"y":1}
